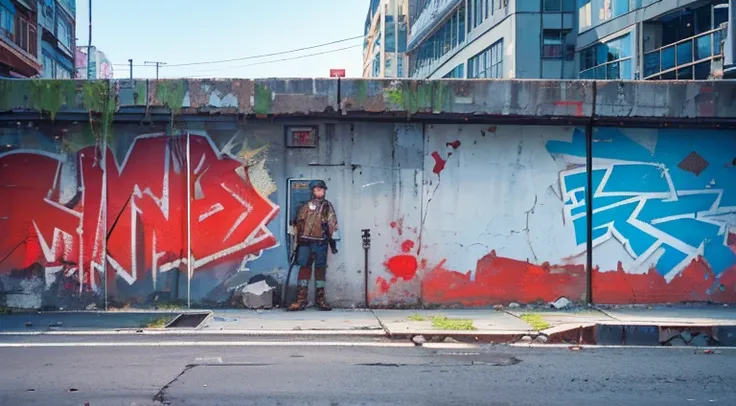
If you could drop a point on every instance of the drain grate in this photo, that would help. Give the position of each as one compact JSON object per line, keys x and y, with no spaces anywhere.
{"x":187,"y":320}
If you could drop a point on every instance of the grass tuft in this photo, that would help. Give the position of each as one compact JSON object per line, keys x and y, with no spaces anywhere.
{"x":535,"y":321}
{"x":444,"y":323}
{"x":417,"y":317}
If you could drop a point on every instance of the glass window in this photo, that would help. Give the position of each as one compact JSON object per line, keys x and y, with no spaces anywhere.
{"x":461,"y":18}
{"x":684,"y":52}
{"x":552,"y":5}
{"x":488,"y":63}
{"x":553,"y":44}
{"x":400,"y":67}
{"x":610,"y":60}
{"x":48,"y":66}
{"x":62,"y":73}
{"x":390,"y":34}
{"x":620,"y":7}
{"x":64,"y":32}
{"x":6,"y":19}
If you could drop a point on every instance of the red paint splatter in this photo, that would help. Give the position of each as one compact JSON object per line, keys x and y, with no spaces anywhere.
{"x":398,"y":226}
{"x":439,"y":163}
{"x":492,"y":129}
{"x":455,"y":144}
{"x":382,"y":286}
{"x":407,"y":246}
{"x":403,"y":266}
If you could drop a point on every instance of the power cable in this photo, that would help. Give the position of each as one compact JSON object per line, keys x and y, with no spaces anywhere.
{"x":253,"y":56}
{"x":276,"y":60}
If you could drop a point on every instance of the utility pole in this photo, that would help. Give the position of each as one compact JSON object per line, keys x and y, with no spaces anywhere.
{"x":89,"y":43}
{"x":157,"y":63}
{"x":130,"y":62}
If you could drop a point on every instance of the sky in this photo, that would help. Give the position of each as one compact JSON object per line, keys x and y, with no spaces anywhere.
{"x":185,"y":31}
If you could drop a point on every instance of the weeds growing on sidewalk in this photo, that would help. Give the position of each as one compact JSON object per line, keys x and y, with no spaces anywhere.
{"x":444,"y":323}
{"x":535,"y":321}
{"x":417,"y":317}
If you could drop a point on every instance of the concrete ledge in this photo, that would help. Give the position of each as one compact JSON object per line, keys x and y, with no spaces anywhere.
{"x":539,"y":98}
{"x":543,"y":101}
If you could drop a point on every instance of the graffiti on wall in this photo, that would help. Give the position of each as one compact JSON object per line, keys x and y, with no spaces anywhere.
{"x":72,"y":213}
{"x":666,"y":197}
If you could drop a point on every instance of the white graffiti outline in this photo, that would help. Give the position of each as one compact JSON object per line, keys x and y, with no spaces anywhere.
{"x":713,"y":216}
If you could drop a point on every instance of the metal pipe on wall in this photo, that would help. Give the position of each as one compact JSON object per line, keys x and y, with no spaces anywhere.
{"x":589,"y":202}
{"x":189,"y":226}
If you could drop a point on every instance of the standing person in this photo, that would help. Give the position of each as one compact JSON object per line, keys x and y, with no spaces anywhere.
{"x":316,"y":225}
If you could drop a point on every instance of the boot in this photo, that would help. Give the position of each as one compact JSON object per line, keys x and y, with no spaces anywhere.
{"x":321,"y":301}
{"x":301,"y":299}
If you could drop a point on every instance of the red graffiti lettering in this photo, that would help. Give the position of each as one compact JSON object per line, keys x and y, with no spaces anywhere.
{"x":141,"y":204}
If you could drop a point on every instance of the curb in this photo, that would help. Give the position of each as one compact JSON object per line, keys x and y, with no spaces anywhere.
{"x":643,"y":334}
{"x":200,"y":332}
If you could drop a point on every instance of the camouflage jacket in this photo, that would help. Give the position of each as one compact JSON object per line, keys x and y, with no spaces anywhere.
{"x":312,"y":218}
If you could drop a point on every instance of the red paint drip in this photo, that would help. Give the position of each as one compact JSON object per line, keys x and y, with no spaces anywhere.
{"x":407,"y":246}
{"x":382,"y":285}
{"x":403,"y":266}
{"x":439,"y":163}
{"x":455,"y":144}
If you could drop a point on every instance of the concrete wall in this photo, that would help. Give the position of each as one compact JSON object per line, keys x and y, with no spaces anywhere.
{"x":461,"y":211}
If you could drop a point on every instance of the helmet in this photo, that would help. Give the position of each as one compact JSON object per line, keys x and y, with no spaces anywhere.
{"x":317,"y":183}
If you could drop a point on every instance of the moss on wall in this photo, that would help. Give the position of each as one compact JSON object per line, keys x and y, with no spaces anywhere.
{"x":51,"y":95}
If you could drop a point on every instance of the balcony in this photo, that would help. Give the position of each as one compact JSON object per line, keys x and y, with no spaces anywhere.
{"x":686,"y":59}
{"x":21,"y":47}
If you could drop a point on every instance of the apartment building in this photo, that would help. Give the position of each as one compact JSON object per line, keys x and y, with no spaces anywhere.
{"x":384,"y":48}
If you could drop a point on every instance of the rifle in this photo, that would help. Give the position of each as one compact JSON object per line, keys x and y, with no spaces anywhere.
{"x":292,"y":262}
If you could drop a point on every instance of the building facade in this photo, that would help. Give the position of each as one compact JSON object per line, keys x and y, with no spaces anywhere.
{"x":560,"y":39}
{"x":37,"y":38}
{"x":56,"y":20}
{"x":492,"y":39}
{"x":652,"y":39}
{"x":101,"y":67}
{"x":384,"y":48}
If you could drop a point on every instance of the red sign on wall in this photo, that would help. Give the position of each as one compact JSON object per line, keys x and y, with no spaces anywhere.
{"x":337,"y":73}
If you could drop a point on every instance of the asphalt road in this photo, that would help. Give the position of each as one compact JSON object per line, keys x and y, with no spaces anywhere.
{"x":60,"y":372}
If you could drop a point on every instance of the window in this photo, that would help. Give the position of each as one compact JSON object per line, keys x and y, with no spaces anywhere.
{"x":610,"y":60}
{"x":6,"y":21}
{"x":457,"y":73}
{"x":553,"y":44}
{"x":64,"y":32}
{"x":620,"y":7}
{"x":48,"y":66}
{"x":585,"y":15}
{"x":559,"y":5}
{"x":488,"y":63}
{"x":390,"y":34}
{"x":400,"y":67}
{"x":62,"y":73}
{"x":448,"y":36}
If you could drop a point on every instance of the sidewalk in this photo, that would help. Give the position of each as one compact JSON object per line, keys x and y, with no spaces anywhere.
{"x":682,"y":325}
